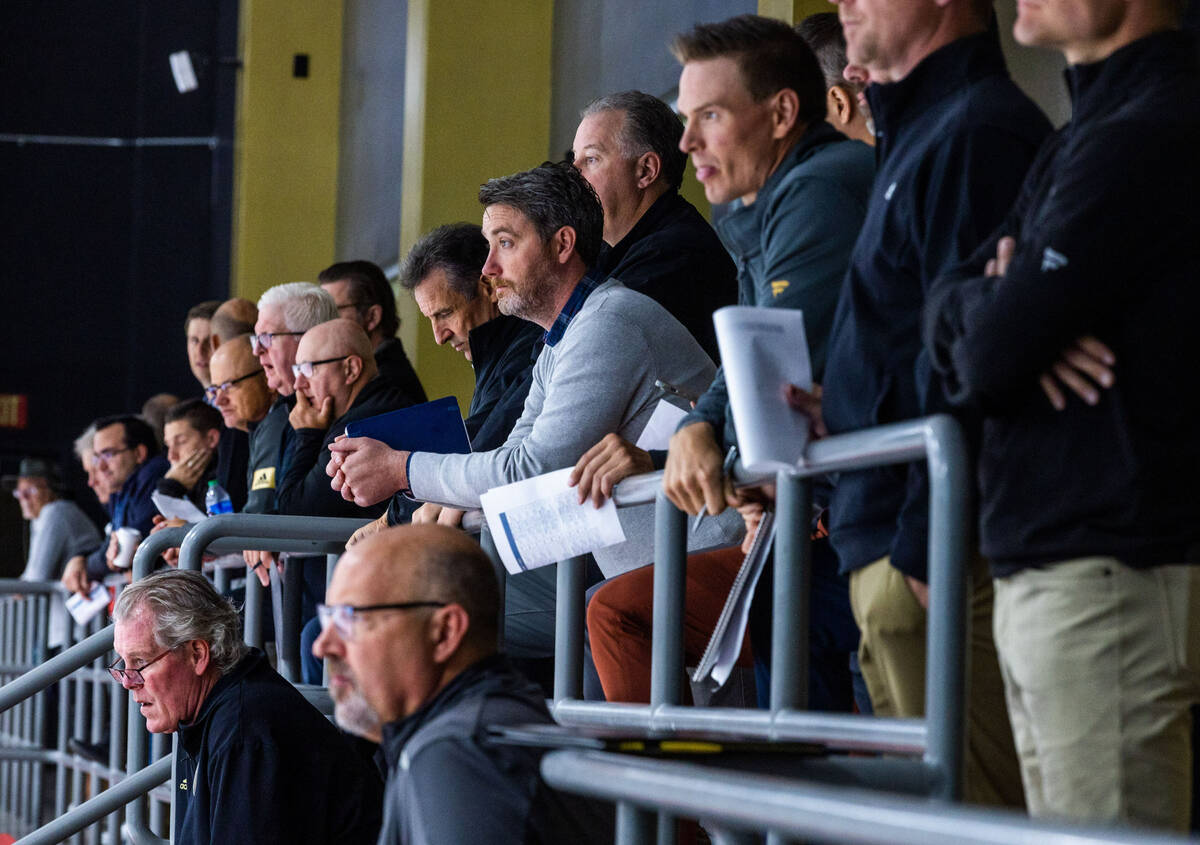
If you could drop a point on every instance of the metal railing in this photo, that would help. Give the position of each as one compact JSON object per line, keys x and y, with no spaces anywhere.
{"x":936,"y":742}
{"x":938,"y":738}
{"x":732,"y":807}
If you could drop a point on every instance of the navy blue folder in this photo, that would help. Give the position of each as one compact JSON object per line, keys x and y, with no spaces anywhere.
{"x":435,"y":426}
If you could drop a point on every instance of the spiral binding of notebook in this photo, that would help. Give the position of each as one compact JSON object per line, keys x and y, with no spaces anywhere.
{"x":740,"y":595}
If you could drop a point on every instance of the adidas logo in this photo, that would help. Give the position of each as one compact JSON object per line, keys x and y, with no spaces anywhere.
{"x":1053,"y":260}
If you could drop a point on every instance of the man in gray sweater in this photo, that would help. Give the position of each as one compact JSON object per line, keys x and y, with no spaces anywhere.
{"x":605,"y":347}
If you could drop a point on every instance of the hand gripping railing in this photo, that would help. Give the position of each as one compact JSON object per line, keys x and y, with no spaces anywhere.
{"x":939,"y":737}
{"x":808,"y":812}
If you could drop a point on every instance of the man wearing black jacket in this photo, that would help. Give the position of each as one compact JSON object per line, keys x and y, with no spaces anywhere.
{"x":336,"y":383}
{"x":242,"y":728}
{"x":1088,"y":510}
{"x":954,"y":139}
{"x":410,"y":629}
{"x":655,"y":241}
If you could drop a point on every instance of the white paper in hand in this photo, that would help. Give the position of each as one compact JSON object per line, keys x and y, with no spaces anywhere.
{"x":539,"y":521}
{"x":83,"y":610}
{"x":662,"y":424}
{"x":173,"y":508}
{"x":763,"y":350}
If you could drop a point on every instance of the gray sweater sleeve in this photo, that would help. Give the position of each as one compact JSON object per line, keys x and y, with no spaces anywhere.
{"x":61,"y":532}
{"x":599,"y":378}
{"x":582,"y":389}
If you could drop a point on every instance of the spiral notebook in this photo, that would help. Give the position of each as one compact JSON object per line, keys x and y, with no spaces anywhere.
{"x":726,"y":641}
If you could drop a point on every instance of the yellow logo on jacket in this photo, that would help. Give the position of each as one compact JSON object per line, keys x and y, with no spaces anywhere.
{"x":778,"y":287}
{"x":183,"y":784}
{"x":264,"y":479}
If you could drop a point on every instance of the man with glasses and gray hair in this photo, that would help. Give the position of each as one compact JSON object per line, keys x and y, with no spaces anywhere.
{"x":410,"y":634}
{"x":285,"y":313}
{"x":241,"y":726}
{"x":655,"y":241}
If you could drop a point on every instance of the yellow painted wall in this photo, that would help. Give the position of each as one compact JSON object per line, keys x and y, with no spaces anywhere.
{"x":477,"y":105}
{"x":793,"y":11}
{"x":286,"y":143}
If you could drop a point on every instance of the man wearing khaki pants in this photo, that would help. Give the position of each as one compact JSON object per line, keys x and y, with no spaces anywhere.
{"x":1089,"y":512}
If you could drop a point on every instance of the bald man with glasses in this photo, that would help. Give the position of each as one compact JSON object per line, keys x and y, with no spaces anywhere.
{"x":410,"y":632}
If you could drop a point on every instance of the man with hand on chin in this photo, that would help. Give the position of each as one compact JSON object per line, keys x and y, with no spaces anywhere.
{"x":336,"y":383}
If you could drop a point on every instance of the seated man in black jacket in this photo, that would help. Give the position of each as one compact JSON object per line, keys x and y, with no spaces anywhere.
{"x":362,"y":294}
{"x":242,"y":728}
{"x":336,"y":383}
{"x":655,"y":241}
{"x":424,"y":660}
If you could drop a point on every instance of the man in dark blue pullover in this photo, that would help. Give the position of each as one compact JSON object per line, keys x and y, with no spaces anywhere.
{"x":1089,"y":514}
{"x":754,"y":99}
{"x":128,"y":460}
{"x":954,"y":139}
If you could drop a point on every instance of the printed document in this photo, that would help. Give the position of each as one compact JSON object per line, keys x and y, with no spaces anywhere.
{"x":540,"y":521}
{"x":763,"y":350}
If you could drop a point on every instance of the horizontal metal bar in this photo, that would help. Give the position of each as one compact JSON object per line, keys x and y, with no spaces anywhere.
{"x":56,"y":668}
{"x":835,"y":731}
{"x":19,"y":587}
{"x":886,"y":444}
{"x":810,"y":811}
{"x":106,"y":802}
{"x":237,"y":531}
{"x":20,"y":139}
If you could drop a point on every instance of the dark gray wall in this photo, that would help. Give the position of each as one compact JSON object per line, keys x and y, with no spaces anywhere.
{"x":370,"y":158}
{"x":612,"y":46}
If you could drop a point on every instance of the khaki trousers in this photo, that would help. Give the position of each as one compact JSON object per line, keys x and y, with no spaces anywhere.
{"x":891,"y":655}
{"x":1100,"y":667}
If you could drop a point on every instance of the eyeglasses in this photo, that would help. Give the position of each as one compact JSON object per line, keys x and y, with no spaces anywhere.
{"x":263,"y":340}
{"x":305,"y":368}
{"x":134,"y":676}
{"x":343,"y":616}
{"x":217,"y":389}
{"x":108,"y":455}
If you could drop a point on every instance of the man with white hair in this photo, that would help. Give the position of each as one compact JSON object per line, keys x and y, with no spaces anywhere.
{"x":285,"y":312}
{"x":241,"y":726}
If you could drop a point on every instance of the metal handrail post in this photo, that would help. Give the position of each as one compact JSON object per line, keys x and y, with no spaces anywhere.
{"x":670,"y":574}
{"x":489,"y":548}
{"x":570,"y":579}
{"x":635,"y":826}
{"x":252,"y":623}
{"x":106,"y":802}
{"x":666,"y":652}
{"x":790,"y":609}
{"x":945,"y":678}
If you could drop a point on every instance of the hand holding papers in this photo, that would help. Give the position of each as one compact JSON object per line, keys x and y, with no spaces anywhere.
{"x":540,"y":521}
{"x":763,"y":350}
{"x":173,"y":508}
{"x":82,"y":610}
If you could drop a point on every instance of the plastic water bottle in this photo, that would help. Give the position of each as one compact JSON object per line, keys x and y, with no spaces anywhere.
{"x":216,"y":500}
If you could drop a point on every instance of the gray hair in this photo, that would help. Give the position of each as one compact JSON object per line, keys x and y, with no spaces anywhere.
{"x":303,"y":304}
{"x":186,"y":607}
{"x":83,"y":443}
{"x":649,"y":126}
{"x":458,"y":249}
{"x":552,"y":195}
{"x":823,"y":34}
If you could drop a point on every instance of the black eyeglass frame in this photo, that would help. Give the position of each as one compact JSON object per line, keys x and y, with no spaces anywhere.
{"x":215,"y":390}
